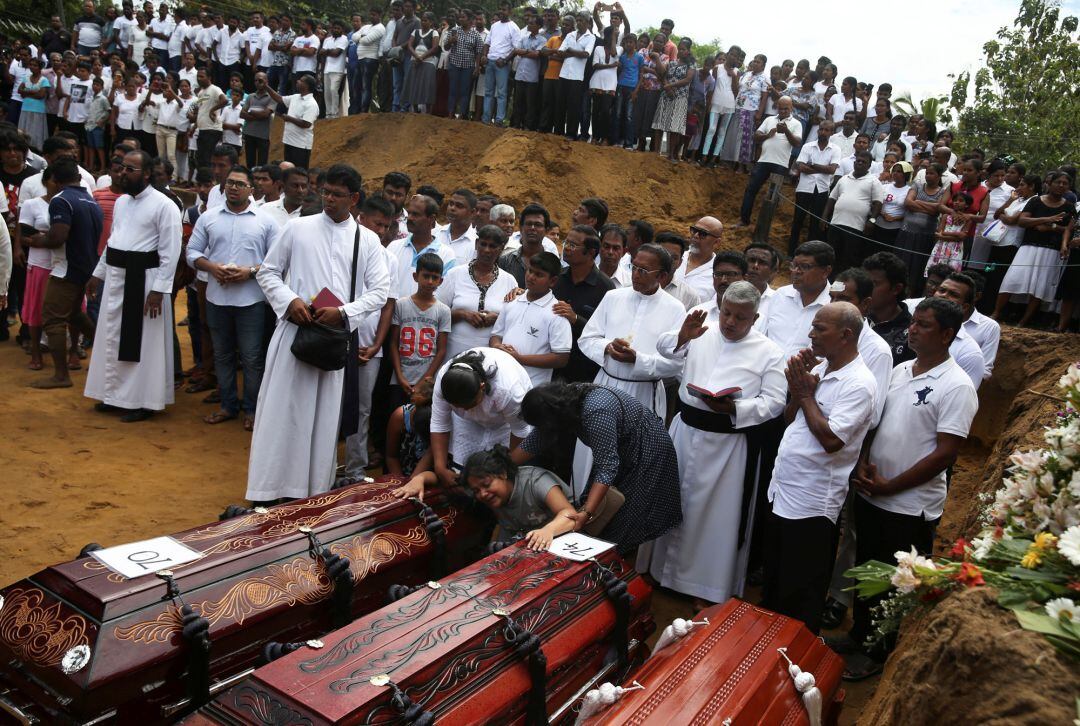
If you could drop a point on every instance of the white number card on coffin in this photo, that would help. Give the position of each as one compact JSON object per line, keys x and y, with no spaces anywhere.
{"x":578,"y":547}
{"x":143,"y":558}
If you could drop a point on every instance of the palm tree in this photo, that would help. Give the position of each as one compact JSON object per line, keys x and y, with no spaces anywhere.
{"x":933,"y":109}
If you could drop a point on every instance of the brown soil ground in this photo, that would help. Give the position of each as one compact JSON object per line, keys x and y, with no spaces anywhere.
{"x":524,"y":166}
{"x":73,"y":476}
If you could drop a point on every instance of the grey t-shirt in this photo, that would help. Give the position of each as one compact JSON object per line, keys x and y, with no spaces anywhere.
{"x":255,"y":127}
{"x":526,"y":509}
{"x":418,"y":335}
{"x":404,"y":28}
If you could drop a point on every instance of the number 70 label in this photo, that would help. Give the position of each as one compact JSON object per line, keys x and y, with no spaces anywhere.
{"x":143,"y":558}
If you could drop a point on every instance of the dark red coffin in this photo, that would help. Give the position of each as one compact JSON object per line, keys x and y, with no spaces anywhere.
{"x":460,"y":654}
{"x":79,"y":642}
{"x":731,"y":669}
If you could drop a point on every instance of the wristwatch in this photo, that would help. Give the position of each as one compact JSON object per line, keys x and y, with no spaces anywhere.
{"x":252,"y":271}
{"x":873,"y":220}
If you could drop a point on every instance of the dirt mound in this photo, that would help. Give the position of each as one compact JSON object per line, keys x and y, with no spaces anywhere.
{"x":524,"y":166}
{"x":968,"y":661}
{"x":1014,"y":408}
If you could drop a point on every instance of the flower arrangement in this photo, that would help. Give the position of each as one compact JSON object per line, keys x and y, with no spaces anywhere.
{"x":1028,"y":550}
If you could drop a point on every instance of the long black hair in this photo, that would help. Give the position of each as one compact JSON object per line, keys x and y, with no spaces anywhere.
{"x":496,"y":462}
{"x":554,"y":411}
{"x":465,"y":377}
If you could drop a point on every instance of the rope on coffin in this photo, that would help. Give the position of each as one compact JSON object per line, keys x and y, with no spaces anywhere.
{"x":195,"y":630}
{"x":234,"y":510}
{"x":619,"y":594}
{"x":608,"y":693}
{"x":527,"y":645}
{"x":273,"y":650}
{"x":805,"y":684}
{"x":337,"y":570}
{"x":436,"y":532}
{"x":412,"y":714}
{"x":397,"y":592}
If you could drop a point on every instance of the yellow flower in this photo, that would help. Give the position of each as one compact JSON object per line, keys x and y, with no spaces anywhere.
{"x":1044,"y":541}
{"x":1032,"y":559}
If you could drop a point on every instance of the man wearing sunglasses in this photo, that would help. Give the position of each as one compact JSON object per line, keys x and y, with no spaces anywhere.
{"x":695,"y":268}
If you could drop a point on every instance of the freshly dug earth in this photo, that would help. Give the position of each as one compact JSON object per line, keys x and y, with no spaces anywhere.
{"x":967,"y":661}
{"x":524,"y":166}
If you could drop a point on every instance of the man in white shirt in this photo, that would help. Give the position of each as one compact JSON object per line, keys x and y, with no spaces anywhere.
{"x":459,"y":234}
{"x":844,"y":138}
{"x":816,"y":163}
{"x":333,"y":53}
{"x":696,"y":266}
{"x":304,"y":52}
{"x":574,"y":53}
{"x":298,"y":132}
{"x":498,"y":54}
{"x":853,"y":205}
{"x":855,"y":286}
{"x":418,"y":241}
{"x":122,"y":27}
{"x":256,"y":39}
{"x":208,"y":119}
{"x":160,"y":32}
{"x":901,"y":475}
{"x":762,"y":264}
{"x":368,"y":41}
{"x":132,"y":364}
{"x":983,"y":329}
{"x":229,"y":51}
{"x":941,"y":155}
{"x":791,"y":312}
{"x":294,"y":187}
{"x":830,"y":410}
{"x":177,"y":43}
{"x":778,"y":135}
{"x":960,"y":288}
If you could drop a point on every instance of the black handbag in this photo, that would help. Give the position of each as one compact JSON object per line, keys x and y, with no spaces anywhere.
{"x":323,"y":346}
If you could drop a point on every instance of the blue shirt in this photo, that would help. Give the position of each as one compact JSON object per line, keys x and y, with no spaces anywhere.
{"x":75,"y":207}
{"x":223,"y":236}
{"x":630,"y":68}
{"x":350,"y":52}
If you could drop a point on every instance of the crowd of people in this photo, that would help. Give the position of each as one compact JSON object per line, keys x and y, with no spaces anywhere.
{"x":652,"y":387}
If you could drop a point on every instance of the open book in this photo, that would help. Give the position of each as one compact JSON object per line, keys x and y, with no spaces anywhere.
{"x":699,"y":392}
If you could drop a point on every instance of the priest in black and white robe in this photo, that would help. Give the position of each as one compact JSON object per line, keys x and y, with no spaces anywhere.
{"x":704,"y":556}
{"x":294,"y":444}
{"x":132,"y":362}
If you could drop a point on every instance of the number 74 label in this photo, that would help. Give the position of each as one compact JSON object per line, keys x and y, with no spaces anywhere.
{"x":146,"y":557}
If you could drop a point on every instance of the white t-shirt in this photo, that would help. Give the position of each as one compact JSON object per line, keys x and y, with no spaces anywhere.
{"x":229,"y":46}
{"x":256,"y":40}
{"x":231,"y":115}
{"x":533,"y":329}
{"x":127,"y":112}
{"x":122,"y":27}
{"x":814,"y":154}
{"x":336,"y":64}
{"x":307,"y":109}
{"x":840,"y":106}
{"x":166,"y":27}
{"x":607,"y":78}
{"x":189,"y":75}
{"x":35,"y":213}
{"x":917,"y":409}
{"x":305,"y":64}
{"x":177,"y":37}
{"x":777,"y":150}
{"x":168,"y":114}
{"x":573,"y":68}
{"x":459,"y":291}
{"x":82,"y":93}
{"x":853,"y":197}
{"x":894,"y":204}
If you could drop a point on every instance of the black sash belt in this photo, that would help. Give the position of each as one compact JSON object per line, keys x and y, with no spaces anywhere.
{"x":135,"y":265}
{"x":720,"y":423}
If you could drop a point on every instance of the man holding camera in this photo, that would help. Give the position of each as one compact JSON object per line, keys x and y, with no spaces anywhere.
{"x":778,"y":135}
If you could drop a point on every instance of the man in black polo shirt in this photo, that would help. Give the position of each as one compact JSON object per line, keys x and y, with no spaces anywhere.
{"x":888,"y":316}
{"x":579,"y":289}
{"x":535,"y":221}
{"x":74,"y":231}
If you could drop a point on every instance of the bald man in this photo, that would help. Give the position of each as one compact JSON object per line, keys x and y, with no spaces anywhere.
{"x":695,"y":270}
{"x":830,"y":409}
{"x":778,"y":136}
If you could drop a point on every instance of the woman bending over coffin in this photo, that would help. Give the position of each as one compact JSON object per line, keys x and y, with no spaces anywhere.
{"x":632,"y":452}
{"x":529,"y":503}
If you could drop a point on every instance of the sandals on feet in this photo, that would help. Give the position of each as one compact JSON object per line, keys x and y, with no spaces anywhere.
{"x":249,"y":423}
{"x":219,"y":417}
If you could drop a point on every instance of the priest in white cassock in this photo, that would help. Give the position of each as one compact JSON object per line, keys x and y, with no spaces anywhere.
{"x":621,"y":337}
{"x":706,"y":556}
{"x":132,"y":364}
{"x":294,"y":444}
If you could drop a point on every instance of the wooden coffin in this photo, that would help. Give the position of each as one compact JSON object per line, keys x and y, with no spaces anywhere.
{"x":459,"y":653}
{"x":79,"y":642}
{"x":730,"y":672}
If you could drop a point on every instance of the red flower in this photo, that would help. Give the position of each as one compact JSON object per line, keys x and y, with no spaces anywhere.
{"x":1074,"y":585}
{"x":932,"y":595}
{"x":959,"y":550}
{"x":969,"y":575}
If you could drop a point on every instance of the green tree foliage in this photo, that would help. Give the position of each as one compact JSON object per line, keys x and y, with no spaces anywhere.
{"x":934,"y":109}
{"x":1025,"y":98}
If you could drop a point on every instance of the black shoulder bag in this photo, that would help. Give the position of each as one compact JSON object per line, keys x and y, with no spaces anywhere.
{"x":324,"y":346}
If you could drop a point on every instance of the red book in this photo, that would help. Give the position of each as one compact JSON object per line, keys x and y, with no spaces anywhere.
{"x":699,"y":392}
{"x":326,"y":299}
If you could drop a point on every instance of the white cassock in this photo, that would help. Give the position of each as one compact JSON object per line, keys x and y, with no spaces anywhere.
{"x":494,"y":419}
{"x":702,"y":556}
{"x":294,"y":446}
{"x":146,"y":223}
{"x":640,"y":320}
